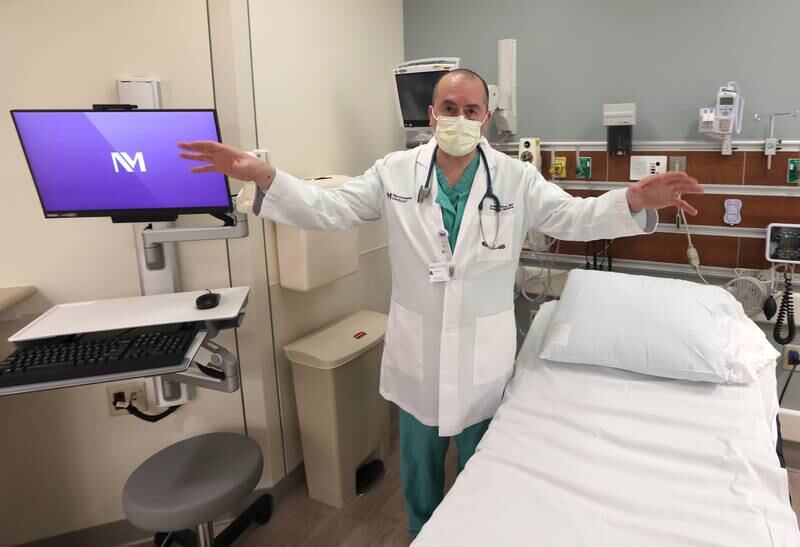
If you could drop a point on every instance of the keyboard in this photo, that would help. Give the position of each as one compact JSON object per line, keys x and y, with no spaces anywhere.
{"x":98,"y":354}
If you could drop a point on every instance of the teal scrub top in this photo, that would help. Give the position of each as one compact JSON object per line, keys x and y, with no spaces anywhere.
{"x":454,"y":200}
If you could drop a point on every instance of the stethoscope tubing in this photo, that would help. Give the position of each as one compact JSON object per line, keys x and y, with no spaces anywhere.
{"x":425,"y":189}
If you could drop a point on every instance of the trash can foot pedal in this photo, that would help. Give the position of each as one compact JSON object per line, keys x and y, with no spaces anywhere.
{"x":368,"y":475}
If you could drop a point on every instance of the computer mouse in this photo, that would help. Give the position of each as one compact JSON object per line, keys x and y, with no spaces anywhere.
{"x":207,"y":301}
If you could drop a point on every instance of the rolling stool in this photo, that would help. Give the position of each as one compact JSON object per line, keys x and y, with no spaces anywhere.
{"x":188,"y":484}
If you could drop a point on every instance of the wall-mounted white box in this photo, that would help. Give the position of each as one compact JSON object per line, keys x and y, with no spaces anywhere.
{"x":145,"y":93}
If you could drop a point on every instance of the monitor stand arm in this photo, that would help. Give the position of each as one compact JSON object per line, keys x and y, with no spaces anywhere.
{"x":152,"y":238}
{"x":159,"y":273}
{"x":213,"y":367}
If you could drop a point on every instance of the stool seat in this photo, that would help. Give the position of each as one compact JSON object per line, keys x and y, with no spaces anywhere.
{"x":192,"y":481}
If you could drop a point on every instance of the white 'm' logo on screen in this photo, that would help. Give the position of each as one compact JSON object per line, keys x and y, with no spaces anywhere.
{"x":122,"y":159}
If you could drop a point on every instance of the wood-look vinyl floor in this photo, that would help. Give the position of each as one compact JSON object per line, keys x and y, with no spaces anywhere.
{"x":376,"y":519}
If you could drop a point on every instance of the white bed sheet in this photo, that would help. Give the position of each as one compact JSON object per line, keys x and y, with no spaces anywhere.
{"x":588,"y":456}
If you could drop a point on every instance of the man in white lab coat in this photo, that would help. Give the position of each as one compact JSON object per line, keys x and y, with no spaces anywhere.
{"x":456,"y":213}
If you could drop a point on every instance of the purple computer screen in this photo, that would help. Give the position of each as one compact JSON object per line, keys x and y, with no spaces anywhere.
{"x":106,"y":161}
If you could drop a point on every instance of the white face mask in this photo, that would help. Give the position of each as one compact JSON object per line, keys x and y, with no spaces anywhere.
{"x":457,"y":136}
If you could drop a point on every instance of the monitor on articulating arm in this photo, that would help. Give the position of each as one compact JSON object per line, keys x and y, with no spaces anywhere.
{"x":123,"y":164}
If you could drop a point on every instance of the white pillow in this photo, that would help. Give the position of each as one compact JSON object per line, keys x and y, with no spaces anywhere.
{"x":662,"y":327}
{"x":748,"y":350}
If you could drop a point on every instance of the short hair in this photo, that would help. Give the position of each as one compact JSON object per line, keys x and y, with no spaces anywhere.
{"x":469,"y":74}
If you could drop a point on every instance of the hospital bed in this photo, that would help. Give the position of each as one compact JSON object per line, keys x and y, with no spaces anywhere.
{"x":582,"y":455}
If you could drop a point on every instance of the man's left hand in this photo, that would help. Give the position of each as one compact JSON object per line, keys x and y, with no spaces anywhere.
{"x":663,"y":190}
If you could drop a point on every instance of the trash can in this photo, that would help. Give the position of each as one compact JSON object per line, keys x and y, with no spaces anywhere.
{"x":344,"y":422}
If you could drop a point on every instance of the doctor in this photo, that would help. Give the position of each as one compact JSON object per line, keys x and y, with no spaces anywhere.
{"x":456,"y":212}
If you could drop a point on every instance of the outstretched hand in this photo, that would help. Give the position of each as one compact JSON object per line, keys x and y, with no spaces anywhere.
{"x":664,"y":190}
{"x":230,"y":161}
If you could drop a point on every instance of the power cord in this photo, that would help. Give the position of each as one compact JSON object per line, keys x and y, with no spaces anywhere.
{"x":786,"y":385}
{"x":604,"y":254}
{"x":786,"y":315}
{"x":152,"y":418}
{"x":545,"y":274}
{"x":691,"y":252}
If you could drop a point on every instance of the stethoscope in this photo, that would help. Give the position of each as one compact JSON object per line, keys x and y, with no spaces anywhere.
{"x":425,"y":190}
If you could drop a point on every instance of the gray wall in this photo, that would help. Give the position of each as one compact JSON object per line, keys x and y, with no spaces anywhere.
{"x":669,"y":57}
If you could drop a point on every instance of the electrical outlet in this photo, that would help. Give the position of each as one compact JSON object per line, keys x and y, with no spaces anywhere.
{"x":559,"y":167}
{"x":791,"y":356}
{"x":129,"y":392}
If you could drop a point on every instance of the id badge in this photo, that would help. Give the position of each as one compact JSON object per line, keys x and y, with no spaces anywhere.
{"x":441,"y":272}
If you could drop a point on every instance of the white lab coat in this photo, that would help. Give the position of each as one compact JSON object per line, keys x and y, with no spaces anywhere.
{"x":450,"y":347}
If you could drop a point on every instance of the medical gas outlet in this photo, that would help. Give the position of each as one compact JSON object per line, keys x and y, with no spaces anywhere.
{"x":793,"y":171}
{"x":530,"y":151}
{"x":558,"y":169}
{"x":583,"y":170}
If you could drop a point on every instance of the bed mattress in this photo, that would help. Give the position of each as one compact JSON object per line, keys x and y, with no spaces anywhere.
{"x":583,"y":455}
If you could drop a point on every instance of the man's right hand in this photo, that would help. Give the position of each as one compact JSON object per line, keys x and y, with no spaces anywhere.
{"x":230,"y":161}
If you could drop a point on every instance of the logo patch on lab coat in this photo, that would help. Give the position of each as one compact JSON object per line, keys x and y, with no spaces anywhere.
{"x":397,"y":197}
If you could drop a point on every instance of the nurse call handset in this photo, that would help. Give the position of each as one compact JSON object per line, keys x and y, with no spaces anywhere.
{"x":783,"y":247}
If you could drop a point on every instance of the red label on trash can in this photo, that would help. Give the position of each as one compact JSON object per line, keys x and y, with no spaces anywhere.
{"x":359,"y":335}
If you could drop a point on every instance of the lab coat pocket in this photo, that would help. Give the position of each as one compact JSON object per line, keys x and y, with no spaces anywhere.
{"x":404,"y":340}
{"x":495,"y":346}
{"x":496,"y":231}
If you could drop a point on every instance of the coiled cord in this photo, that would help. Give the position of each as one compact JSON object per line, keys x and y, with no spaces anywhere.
{"x":786,"y":312}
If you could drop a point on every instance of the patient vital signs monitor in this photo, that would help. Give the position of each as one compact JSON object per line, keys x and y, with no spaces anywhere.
{"x":122,"y":164}
{"x":414,"y":82}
